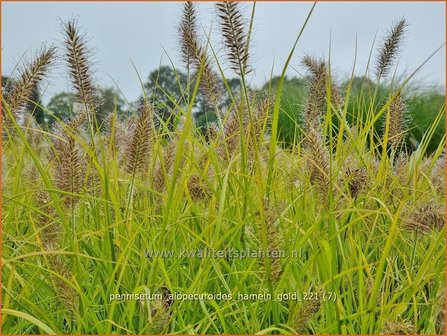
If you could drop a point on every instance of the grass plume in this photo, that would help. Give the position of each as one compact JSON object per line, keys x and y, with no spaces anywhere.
{"x":70,"y":166}
{"x":27,"y":82}
{"x":426,"y":217}
{"x":235,"y":37}
{"x":397,"y":122}
{"x":79,"y":69}
{"x":355,"y":175}
{"x":317,"y":94}
{"x":304,"y":314}
{"x":274,"y":240}
{"x":195,"y":55}
{"x":188,"y":33}
{"x":317,"y":155}
{"x":139,"y":146}
{"x":389,"y":49}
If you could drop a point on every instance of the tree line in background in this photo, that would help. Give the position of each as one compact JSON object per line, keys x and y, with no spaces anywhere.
{"x":165,"y":89}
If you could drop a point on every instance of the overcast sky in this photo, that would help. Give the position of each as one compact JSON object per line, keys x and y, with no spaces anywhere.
{"x":145,"y":34}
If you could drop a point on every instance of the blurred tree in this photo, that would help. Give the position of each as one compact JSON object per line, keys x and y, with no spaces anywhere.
{"x":423,"y":107}
{"x":62,"y":105}
{"x":109,"y":101}
{"x":166,"y":88}
{"x":165,"y":85}
{"x":204,"y":116}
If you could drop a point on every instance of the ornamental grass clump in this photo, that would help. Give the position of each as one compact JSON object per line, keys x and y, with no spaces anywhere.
{"x":349,"y":217}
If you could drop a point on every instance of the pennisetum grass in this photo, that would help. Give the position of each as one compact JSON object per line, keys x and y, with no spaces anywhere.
{"x":426,"y":217}
{"x":358,"y":212}
{"x":139,"y":146}
{"x":79,"y":70}
{"x":195,"y":56}
{"x":28,"y":80}
{"x":235,"y":37}
{"x":306,"y":310}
